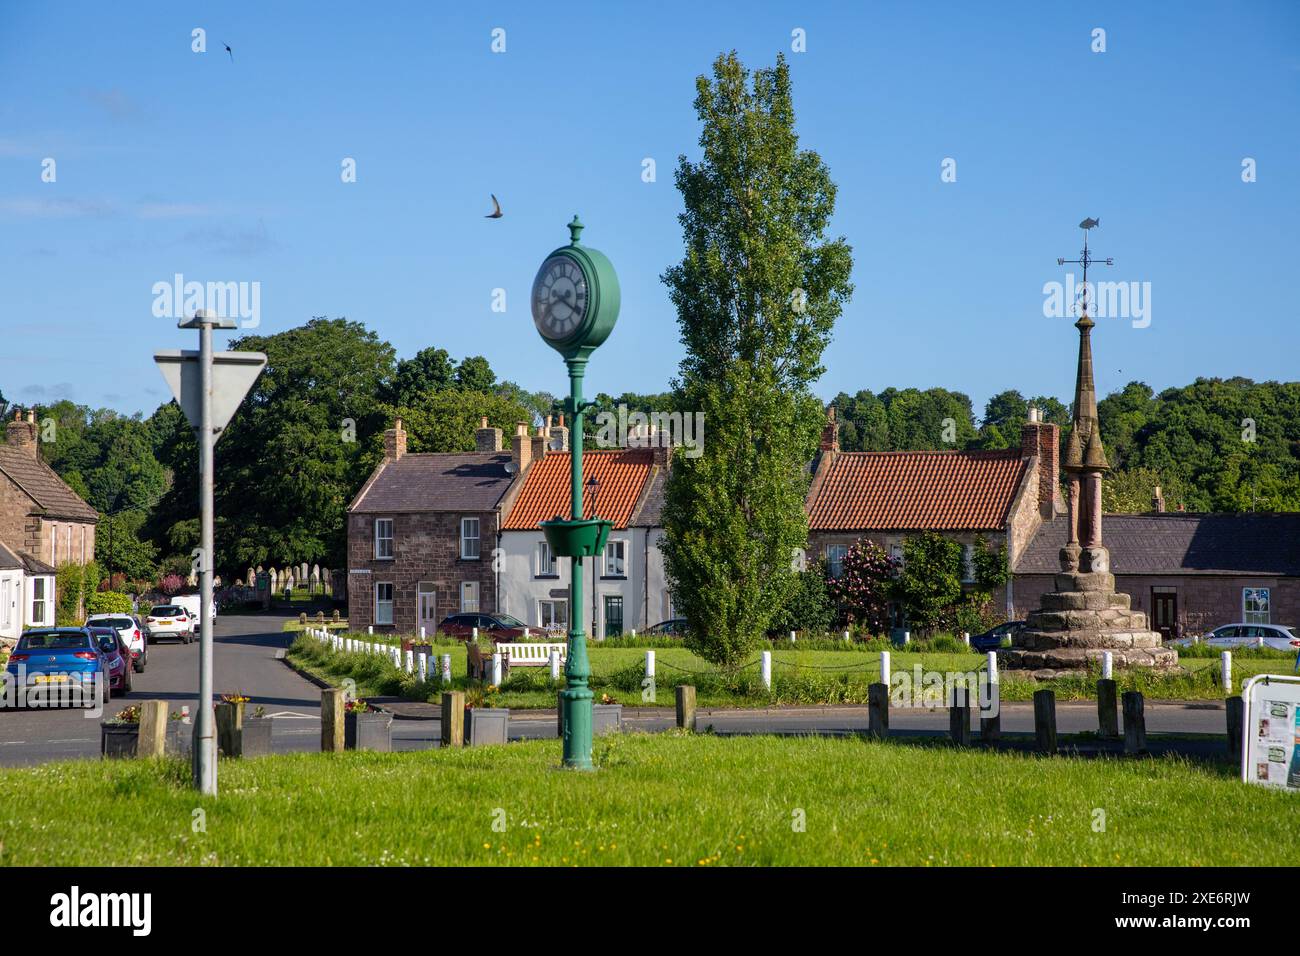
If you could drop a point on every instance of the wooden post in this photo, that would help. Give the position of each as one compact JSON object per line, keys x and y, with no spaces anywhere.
{"x":1045,"y":721}
{"x":878,"y":711}
{"x":453,"y":718}
{"x":1236,"y":713}
{"x":152,"y":741}
{"x":230,"y":729}
{"x":1135,"y":723}
{"x":686,"y":706}
{"x":331,"y":720}
{"x":959,"y":716}
{"x":1107,"y":712}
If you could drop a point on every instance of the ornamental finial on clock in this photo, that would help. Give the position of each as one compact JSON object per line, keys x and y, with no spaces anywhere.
{"x":575,"y":229}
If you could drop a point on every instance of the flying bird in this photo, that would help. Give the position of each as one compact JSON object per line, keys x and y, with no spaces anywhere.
{"x":496,"y":210}
{"x":230,"y":51}
{"x":1089,"y":223}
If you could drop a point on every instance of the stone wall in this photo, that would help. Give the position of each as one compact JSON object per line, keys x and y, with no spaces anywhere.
{"x":426,"y":550}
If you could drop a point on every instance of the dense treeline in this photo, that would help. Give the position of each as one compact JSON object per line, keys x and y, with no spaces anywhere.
{"x":311,"y":431}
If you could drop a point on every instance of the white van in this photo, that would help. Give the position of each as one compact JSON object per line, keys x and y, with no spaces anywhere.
{"x":191,"y":603}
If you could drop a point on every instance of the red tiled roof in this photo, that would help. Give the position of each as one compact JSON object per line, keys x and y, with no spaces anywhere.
{"x":906,"y":490}
{"x":622,"y":475}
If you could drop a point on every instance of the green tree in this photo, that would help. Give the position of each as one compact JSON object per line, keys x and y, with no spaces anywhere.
{"x":808,"y":609}
{"x":446,"y":421}
{"x":929,"y":584}
{"x":474,"y":374}
{"x":757,"y":294}
{"x":429,"y":370}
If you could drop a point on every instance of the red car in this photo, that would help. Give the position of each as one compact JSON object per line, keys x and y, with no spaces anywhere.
{"x":499,"y":627}
{"x":117,"y":656}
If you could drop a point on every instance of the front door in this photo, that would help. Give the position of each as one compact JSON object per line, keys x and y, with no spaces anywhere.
{"x":428,"y":612}
{"x":1164,"y":613}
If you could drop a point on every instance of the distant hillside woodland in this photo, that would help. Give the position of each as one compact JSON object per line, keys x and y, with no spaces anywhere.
{"x":311,"y":431}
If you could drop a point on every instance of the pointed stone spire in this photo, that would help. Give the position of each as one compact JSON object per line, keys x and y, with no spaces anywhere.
{"x":1084,"y":450}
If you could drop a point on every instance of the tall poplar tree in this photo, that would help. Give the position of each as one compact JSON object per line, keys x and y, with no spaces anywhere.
{"x":757,"y":294}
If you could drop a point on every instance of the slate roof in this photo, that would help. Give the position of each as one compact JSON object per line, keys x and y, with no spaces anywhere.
{"x":1179,"y":543}
{"x":622,"y":474}
{"x":917,"y":490}
{"x":472,"y":481}
{"x":649,"y":513}
{"x":53,"y":498}
{"x":10,"y":559}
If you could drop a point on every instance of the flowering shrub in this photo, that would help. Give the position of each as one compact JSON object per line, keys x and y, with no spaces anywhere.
{"x":863,"y":589}
{"x":169,"y":584}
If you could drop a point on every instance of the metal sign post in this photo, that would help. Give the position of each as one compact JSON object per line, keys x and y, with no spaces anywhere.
{"x":209,"y":388}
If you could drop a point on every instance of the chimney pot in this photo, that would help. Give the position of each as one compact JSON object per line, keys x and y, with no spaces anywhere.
{"x":395,"y":441}
{"x":482,"y":422}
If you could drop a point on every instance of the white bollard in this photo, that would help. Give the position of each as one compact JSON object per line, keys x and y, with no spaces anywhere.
{"x":424,"y":667}
{"x":907,"y":638}
{"x":765,"y":670}
{"x":650,"y":664}
{"x":185,"y":713}
{"x":527,"y":633}
{"x":370,"y":629}
{"x":992,"y":666}
{"x":965,"y":636}
{"x":884,"y":667}
{"x":1107,"y":665}
{"x":446,"y":668}
{"x":1225,"y":667}
{"x":421,"y":632}
{"x":555,"y":664}
{"x":792,"y":637}
{"x":410,"y":662}
{"x":397,"y":657}
{"x":847,"y":639}
{"x":474,"y":632}
{"x":496,"y":669}
{"x":634,"y":633}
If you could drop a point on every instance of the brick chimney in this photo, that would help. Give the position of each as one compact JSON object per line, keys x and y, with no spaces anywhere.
{"x":487,"y":439}
{"x":1042,"y":440}
{"x":521,"y":448}
{"x":395,"y":441}
{"x":831,"y":433}
{"x":22,"y":434}
{"x":559,"y":434}
{"x":1158,"y":501}
{"x":539,"y":443}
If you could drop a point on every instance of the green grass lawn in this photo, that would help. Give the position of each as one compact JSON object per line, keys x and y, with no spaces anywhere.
{"x":800,"y":677}
{"x":666,"y":799}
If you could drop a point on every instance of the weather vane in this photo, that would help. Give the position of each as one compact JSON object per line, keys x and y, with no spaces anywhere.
{"x":1085,"y":258}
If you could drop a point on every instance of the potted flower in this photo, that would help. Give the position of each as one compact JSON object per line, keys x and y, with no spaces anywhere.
{"x":485,"y":723}
{"x":120,"y":734}
{"x":365,"y":728}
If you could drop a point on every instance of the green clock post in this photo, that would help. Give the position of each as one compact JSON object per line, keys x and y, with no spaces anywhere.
{"x":575,"y":305}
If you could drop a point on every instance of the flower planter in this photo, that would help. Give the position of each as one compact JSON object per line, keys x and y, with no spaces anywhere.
{"x":372,"y":731}
{"x":256,"y":737}
{"x":180,"y":739}
{"x":486,"y":725}
{"x":118,"y":740}
{"x":576,"y":539}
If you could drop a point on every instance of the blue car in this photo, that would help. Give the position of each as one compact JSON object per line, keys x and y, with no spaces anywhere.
{"x":56,"y":665}
{"x":992,"y":639}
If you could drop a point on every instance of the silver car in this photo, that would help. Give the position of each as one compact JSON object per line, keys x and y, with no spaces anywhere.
{"x":1247,"y":635}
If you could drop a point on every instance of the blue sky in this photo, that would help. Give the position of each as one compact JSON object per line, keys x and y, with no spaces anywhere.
{"x":170,"y":161}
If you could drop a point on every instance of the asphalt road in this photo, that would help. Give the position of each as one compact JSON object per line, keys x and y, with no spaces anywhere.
{"x":245,"y":655}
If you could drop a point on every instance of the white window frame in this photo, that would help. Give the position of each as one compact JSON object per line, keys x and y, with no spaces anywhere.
{"x":390,"y":538}
{"x":467,"y":588}
{"x":1259,"y":614}
{"x":476,"y":538}
{"x":835,"y":565}
{"x":6,"y":603}
{"x":559,"y":613}
{"x":545,"y":555}
{"x":39,"y":620}
{"x":381,"y":603}
{"x":621,"y":561}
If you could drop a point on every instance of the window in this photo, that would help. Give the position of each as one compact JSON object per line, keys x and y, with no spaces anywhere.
{"x":38,"y":601}
{"x":896,"y":555}
{"x":545,"y":560}
{"x":968,"y":564}
{"x":553,"y":615}
{"x":615,"y":559}
{"x":835,"y":554}
{"x":469,"y":596}
{"x":613,"y":615}
{"x":384,"y":602}
{"x":1254,"y":605}
{"x":469,"y":539}
{"x":383,"y":538}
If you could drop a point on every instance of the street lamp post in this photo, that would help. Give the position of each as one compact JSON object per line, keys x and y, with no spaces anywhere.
{"x":575,"y":302}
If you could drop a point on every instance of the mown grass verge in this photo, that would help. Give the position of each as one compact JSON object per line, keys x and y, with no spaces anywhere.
{"x":666,"y":799}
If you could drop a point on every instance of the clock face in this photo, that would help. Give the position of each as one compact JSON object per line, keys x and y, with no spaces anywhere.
{"x":560,"y":298}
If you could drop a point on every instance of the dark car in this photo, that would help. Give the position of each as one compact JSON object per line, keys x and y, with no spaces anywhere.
{"x":118,"y":657}
{"x":994,"y":638}
{"x":499,"y":627}
{"x":673,"y":627}
{"x":56,"y":665}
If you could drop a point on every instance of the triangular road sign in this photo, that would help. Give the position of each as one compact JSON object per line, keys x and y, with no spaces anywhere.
{"x":233,"y":374}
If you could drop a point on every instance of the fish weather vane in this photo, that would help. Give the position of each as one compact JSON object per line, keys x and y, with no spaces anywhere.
{"x":1085,"y":259}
